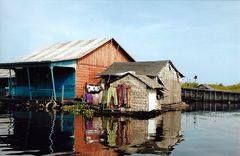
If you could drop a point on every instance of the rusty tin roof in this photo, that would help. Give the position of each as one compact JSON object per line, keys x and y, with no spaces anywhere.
{"x":69,"y":50}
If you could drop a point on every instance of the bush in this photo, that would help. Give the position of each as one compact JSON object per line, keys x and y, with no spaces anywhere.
{"x":80,"y":108}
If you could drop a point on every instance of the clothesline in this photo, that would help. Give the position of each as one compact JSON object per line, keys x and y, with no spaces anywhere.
{"x":114,"y":96}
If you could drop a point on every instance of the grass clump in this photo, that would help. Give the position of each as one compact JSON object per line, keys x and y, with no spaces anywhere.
{"x":80,"y":108}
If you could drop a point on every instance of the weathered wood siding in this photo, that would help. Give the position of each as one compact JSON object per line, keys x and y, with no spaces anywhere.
{"x":139,"y":93}
{"x":94,"y":63}
{"x":172,"y":81}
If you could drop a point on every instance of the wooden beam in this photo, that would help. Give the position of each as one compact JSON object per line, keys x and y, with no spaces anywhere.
{"x":53,"y":84}
{"x":29,"y":84}
{"x":10,"y":83}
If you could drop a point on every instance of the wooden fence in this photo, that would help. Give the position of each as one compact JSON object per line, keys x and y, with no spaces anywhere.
{"x":195,"y":94}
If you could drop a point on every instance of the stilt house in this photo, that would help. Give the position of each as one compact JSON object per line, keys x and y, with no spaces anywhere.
{"x":63,"y":68}
{"x":153,"y":84}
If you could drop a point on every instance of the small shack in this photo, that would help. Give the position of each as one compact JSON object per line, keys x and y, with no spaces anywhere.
{"x":63,"y":69}
{"x":204,"y":87}
{"x":153,"y":84}
{"x":140,"y":92}
{"x":6,"y":82}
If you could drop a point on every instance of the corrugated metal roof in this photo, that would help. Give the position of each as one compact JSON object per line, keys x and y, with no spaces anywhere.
{"x":4,"y":73}
{"x":64,"y":50}
{"x":149,"y":68}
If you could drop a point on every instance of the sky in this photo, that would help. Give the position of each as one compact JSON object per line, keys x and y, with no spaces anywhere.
{"x":201,"y":37}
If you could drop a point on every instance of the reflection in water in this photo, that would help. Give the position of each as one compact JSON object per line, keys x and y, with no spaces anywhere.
{"x":208,"y":106}
{"x":37,"y":133}
{"x":40,"y":133}
{"x":106,"y":135}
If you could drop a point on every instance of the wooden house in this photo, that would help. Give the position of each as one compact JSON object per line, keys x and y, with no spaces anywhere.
{"x":204,"y":87}
{"x":153,"y":84}
{"x":63,"y":69}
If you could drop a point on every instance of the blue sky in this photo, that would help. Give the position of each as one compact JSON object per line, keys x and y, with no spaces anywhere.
{"x":201,"y":37}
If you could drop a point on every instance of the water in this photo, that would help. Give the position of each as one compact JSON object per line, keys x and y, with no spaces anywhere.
{"x":172,"y":133}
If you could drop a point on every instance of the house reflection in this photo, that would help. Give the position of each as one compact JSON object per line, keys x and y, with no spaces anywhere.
{"x":109,"y":136}
{"x":168,"y":133}
{"x":40,"y":133}
{"x":88,"y":137}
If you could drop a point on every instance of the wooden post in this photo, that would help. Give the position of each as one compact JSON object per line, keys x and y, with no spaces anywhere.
{"x":222,"y":96}
{"x":210,"y":97}
{"x":204,"y":96}
{"x":29,"y":84}
{"x":10,"y":83}
{"x":61,"y":119}
{"x":62,"y":100}
{"x":215,"y":96}
{"x":196,"y":92}
{"x":229,"y":105}
{"x":53,"y":84}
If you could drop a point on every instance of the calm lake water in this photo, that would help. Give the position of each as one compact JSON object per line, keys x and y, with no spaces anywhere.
{"x":178,"y":133}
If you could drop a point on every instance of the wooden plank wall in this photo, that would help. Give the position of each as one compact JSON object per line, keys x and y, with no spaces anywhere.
{"x":94,"y":63}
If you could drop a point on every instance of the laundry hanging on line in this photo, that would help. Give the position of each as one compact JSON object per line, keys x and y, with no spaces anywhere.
{"x":119,"y":96}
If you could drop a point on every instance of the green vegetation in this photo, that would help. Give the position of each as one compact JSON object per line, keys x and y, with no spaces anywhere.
{"x":80,"y":108}
{"x":190,"y":85}
{"x":234,"y":87}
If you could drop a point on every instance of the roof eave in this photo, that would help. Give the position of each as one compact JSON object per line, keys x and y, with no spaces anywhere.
{"x":23,"y":64}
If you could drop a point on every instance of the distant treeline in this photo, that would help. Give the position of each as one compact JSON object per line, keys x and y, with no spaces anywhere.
{"x":234,"y":87}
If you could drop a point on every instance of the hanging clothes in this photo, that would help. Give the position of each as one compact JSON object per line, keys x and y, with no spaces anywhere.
{"x":93,"y":88}
{"x":104,"y":97}
{"x":95,"y":99}
{"x":100,"y":95}
{"x":89,"y":98}
{"x":112,"y":94}
{"x":120,"y":95}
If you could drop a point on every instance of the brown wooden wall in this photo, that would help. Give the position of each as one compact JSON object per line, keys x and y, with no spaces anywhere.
{"x":94,"y":63}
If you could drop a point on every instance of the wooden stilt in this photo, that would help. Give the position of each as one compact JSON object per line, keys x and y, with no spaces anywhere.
{"x":29,"y":84}
{"x":53,"y":84}
{"x":10,"y":84}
